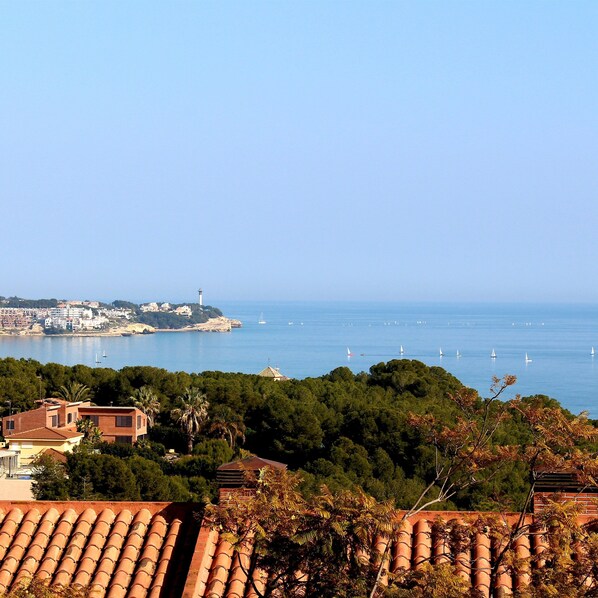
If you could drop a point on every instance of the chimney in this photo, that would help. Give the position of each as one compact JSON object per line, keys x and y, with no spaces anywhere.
{"x":564,"y":486}
{"x":239,"y":478}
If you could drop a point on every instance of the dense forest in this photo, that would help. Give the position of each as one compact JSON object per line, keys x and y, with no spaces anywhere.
{"x":28,"y":303}
{"x":341,"y":429}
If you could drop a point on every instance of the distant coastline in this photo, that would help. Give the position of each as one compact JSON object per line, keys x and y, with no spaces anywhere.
{"x":220,"y":324}
{"x":68,"y":318}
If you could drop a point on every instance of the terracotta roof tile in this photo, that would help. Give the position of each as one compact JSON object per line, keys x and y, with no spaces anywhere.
{"x":19,"y":544}
{"x":57,"y":455}
{"x":74,"y":550}
{"x":93,"y":551}
{"x":259,"y":580}
{"x":120,"y":550}
{"x":220,"y":569}
{"x":10,"y":525}
{"x":45,"y":434}
{"x":158,"y":550}
{"x":201,"y":563}
{"x":421,"y":543}
{"x":37,"y":548}
{"x":165,"y":558}
{"x":482,"y":563}
{"x":238,"y":577}
{"x":216,"y":570}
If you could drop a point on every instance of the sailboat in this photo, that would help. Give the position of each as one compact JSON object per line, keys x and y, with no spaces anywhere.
{"x":349,"y":354}
{"x":458,"y":353}
{"x":592,"y":352}
{"x":104,"y":354}
{"x":441,"y":353}
{"x":97,"y":360}
{"x":261,"y":320}
{"x":493,"y":354}
{"x":401,"y":350}
{"x":527,"y":359}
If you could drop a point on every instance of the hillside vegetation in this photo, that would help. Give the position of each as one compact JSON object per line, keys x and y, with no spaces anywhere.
{"x":341,"y":429}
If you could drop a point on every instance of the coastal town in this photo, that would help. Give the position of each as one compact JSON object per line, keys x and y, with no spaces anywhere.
{"x":120,"y":318}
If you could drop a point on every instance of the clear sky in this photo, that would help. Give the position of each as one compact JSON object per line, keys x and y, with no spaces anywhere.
{"x":299,"y":150}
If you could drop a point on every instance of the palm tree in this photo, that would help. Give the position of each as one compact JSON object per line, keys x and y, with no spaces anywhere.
{"x":192,"y":415}
{"x":146,"y":400}
{"x":227,"y":424}
{"x":75,"y":391}
{"x":91,"y":433}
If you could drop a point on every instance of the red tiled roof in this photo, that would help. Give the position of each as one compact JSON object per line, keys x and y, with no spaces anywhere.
{"x":45,"y":434}
{"x":216,"y":570}
{"x":157,"y":550}
{"x":61,"y":457}
{"x":115,"y":549}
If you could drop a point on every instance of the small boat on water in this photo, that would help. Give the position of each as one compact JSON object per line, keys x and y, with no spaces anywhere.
{"x":97,"y":360}
{"x":493,"y":354}
{"x":261,"y":320}
{"x":458,"y":353}
{"x":401,"y":350}
{"x":441,"y":353}
{"x":592,"y":352}
{"x":527,"y":359}
{"x":104,"y":354}
{"x":349,"y":354}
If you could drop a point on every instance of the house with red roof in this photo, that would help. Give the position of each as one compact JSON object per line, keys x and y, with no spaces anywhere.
{"x":29,"y":444}
{"x":52,"y":425}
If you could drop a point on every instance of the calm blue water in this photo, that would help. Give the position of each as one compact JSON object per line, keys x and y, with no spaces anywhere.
{"x":310,"y":339}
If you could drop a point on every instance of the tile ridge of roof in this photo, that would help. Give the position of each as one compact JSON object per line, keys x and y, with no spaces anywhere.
{"x":168,"y":510}
{"x":68,"y":503}
{"x":63,"y":432}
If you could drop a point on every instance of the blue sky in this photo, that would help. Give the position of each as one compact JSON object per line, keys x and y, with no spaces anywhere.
{"x":299,"y":150}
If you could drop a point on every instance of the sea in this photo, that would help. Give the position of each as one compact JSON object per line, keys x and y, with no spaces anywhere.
{"x":309,"y":339}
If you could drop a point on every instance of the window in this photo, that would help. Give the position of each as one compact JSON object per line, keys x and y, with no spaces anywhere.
{"x":10,"y":424}
{"x":69,"y":418}
{"x":138,"y":422}
{"x":124,"y":421}
{"x":54,"y":423}
{"x":95,"y":419}
{"x":123,"y":439}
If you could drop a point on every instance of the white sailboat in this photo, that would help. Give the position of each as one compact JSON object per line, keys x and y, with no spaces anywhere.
{"x":97,"y":359}
{"x":261,"y":320}
{"x":349,"y":354}
{"x":493,"y":354}
{"x":104,"y":354}
{"x":401,"y":350}
{"x":527,"y":359}
{"x":592,"y":352}
{"x":458,"y":353}
{"x":441,"y":353}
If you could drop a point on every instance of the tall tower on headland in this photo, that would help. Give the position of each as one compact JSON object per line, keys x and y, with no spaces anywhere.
{"x":200,"y":297}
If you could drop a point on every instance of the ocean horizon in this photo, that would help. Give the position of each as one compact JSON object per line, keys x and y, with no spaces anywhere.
{"x":311,"y":338}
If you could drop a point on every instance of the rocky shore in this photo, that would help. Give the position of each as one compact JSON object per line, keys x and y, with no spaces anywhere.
{"x":221,"y":324}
